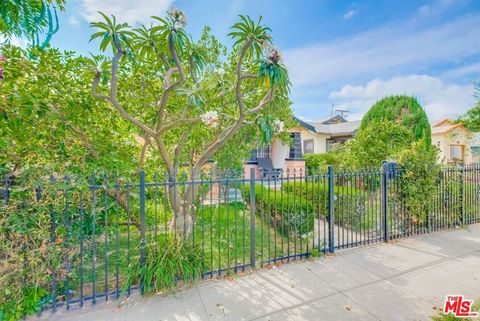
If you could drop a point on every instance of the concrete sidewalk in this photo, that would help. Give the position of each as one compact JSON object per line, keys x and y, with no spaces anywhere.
{"x":407,"y":280}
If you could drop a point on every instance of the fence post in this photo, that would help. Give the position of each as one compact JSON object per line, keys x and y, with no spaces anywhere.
{"x":385,"y":173}
{"x":142,"y":226}
{"x":331,"y":210}
{"x":252,"y":217}
{"x":53,"y":240}
{"x":462,"y":196}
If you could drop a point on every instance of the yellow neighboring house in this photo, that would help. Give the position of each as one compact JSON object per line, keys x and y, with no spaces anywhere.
{"x":453,"y":140}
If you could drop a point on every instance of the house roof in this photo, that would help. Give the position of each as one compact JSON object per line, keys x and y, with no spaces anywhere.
{"x":446,"y":126}
{"x":304,"y":124}
{"x":331,"y":120}
{"x":443,"y":122}
{"x":346,"y":128}
{"x":336,"y":126}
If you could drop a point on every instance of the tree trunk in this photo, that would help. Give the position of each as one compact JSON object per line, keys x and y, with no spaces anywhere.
{"x":183,"y":222}
{"x":182,"y":206}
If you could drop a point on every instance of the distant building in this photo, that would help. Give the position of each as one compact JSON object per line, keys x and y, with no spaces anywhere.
{"x":453,"y":141}
{"x":313,"y":137}
{"x":475,"y":147}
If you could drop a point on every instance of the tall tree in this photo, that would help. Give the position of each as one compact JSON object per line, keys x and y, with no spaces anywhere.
{"x":403,"y":110}
{"x":48,"y":118}
{"x":189,"y":99}
{"x":30,"y":19}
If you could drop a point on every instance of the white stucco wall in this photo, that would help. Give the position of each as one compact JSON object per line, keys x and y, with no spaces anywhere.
{"x":319,"y":140}
{"x":278,"y":153}
{"x":454,"y":137}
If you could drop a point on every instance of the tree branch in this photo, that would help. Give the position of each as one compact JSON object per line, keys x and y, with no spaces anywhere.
{"x":143,"y":152}
{"x":168,"y":86}
{"x":177,"y":123}
{"x":179,"y":148}
{"x":163,"y":152}
{"x":249,"y":76}
{"x":228,"y":132}
{"x":112,"y":98}
{"x":268,"y":97}
{"x":238,"y":85}
{"x":95,"y":82}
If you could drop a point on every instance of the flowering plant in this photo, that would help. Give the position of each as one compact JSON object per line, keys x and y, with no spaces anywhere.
{"x":210,"y":118}
{"x":278,"y":126}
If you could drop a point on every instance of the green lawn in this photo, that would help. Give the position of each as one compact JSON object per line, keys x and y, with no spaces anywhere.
{"x":221,"y":233}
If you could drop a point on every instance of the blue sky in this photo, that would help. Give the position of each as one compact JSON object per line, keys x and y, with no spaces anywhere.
{"x":346,"y":53}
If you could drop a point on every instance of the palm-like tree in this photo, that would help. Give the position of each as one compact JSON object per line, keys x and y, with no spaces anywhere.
{"x":117,"y":35}
{"x":252,"y":34}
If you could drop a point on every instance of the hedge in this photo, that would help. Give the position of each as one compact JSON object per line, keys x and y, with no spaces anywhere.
{"x":286,"y":212}
{"x":349,"y":205}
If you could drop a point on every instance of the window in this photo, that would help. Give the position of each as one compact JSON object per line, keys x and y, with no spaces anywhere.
{"x":263,"y":152}
{"x":456,"y":152}
{"x":476,"y":150}
{"x":308,"y":146}
{"x":296,"y":147}
{"x":329,"y":146}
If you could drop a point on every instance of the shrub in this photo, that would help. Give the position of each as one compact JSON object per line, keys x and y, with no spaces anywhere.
{"x":288,"y":213}
{"x":316,"y":193}
{"x":349,"y":205}
{"x":319,"y":162}
{"x":28,"y":258}
{"x":167,"y":260}
{"x":378,"y":141}
{"x":403,"y":110}
{"x":418,"y":180}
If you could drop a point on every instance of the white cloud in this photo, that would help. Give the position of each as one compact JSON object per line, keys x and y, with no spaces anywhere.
{"x":386,"y":51}
{"x":349,"y":14}
{"x":436,"y":7}
{"x":19,"y":42}
{"x":472,"y":70}
{"x":439,"y":99}
{"x":134,"y":12}
{"x":73,"y":21}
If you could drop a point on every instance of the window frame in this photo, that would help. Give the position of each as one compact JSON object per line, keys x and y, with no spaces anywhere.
{"x":462,"y":152}
{"x":308,"y":141}
{"x":295,"y":151}
{"x":261,"y":152}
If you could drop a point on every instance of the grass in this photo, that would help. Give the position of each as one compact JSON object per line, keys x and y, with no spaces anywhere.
{"x":224,"y":235}
{"x":221,"y":238}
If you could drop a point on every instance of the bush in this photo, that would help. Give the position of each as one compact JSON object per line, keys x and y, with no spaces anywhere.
{"x":28,"y":258}
{"x":167,"y":260}
{"x":418,"y":180}
{"x":319,"y":162}
{"x":378,"y":141}
{"x":349,"y":205}
{"x":402,"y":110}
{"x":286,"y":212}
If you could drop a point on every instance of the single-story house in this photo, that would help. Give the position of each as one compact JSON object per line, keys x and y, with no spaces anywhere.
{"x":453,"y":141}
{"x":475,"y":147}
{"x":309,"y":137}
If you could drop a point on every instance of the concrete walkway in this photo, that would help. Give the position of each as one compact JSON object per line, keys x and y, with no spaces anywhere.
{"x":407,"y":280}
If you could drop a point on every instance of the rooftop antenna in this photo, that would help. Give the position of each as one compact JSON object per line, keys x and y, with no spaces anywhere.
{"x":343,"y":112}
{"x":332,"y":110}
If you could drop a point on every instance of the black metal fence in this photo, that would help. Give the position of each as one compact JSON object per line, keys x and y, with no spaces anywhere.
{"x":101,"y":229}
